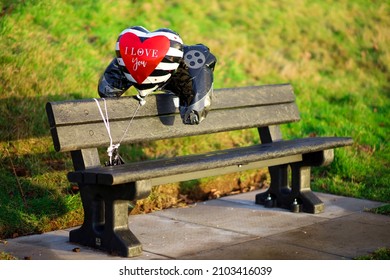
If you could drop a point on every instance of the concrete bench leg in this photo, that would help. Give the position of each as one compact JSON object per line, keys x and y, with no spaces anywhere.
{"x":106,"y":220}
{"x":290,"y":189}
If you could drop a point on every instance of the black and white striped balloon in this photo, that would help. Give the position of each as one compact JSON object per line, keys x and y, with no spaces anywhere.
{"x":148,"y":59}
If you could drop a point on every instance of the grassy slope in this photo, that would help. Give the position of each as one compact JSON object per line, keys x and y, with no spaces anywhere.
{"x":335,"y":53}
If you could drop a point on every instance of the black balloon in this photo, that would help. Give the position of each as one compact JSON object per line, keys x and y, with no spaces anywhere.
{"x":192,"y":81}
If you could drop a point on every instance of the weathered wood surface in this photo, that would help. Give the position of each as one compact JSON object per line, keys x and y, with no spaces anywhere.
{"x":78,"y":124}
{"x":238,"y":157}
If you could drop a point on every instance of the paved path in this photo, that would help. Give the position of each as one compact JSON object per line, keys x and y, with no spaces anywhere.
{"x":234,"y":227}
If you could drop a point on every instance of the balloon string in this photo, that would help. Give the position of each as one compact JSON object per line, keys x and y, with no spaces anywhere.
{"x":131,"y":120}
{"x":106,"y":122}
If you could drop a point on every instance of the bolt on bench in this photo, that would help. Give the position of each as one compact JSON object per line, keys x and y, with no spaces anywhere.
{"x":77,"y":126}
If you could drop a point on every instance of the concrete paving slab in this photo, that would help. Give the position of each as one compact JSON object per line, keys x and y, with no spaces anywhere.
{"x":233,"y":227}
{"x":246,"y":220}
{"x":349,"y":236}
{"x":335,"y":206}
{"x":173,"y":238}
{"x":338,"y":206}
{"x":50,"y":246}
{"x":263,"y":249}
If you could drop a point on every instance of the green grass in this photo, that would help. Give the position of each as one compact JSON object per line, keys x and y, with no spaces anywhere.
{"x":5,"y":256}
{"x":334,"y":53}
{"x":383,"y":210}
{"x":380,"y":254}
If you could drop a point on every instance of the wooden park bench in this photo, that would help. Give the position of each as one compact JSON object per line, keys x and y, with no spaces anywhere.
{"x":77,"y":126}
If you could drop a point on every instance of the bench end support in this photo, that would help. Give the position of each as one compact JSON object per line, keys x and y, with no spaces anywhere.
{"x":105,"y":224}
{"x":296,"y":194}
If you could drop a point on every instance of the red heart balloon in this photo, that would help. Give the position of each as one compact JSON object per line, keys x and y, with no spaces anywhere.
{"x":148,"y":59}
{"x":142,"y":58}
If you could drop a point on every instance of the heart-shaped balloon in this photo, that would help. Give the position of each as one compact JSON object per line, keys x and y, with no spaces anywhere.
{"x":148,"y":59}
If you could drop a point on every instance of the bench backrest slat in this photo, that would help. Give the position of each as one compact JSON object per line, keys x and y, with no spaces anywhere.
{"x":78,"y":124}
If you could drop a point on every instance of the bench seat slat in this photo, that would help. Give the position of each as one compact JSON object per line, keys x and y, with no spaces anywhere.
{"x":137,"y":171}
